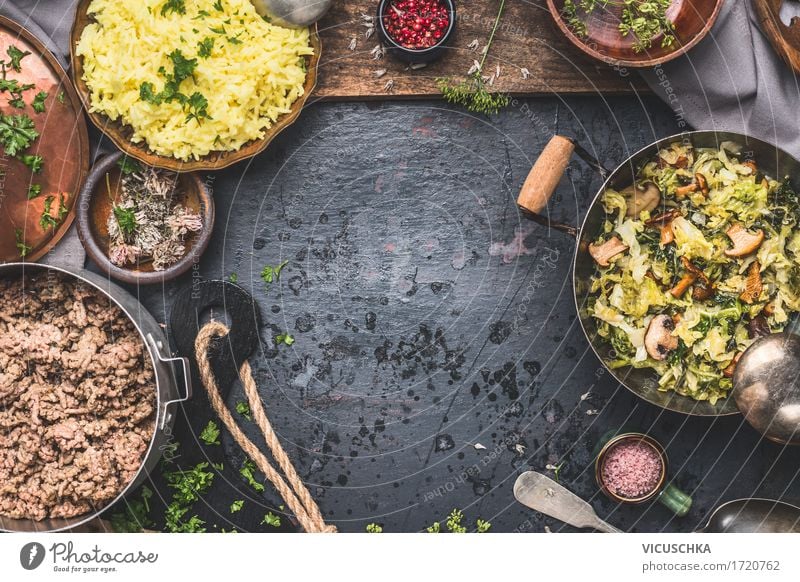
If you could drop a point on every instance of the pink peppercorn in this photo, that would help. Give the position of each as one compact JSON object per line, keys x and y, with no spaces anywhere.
{"x":632,"y":469}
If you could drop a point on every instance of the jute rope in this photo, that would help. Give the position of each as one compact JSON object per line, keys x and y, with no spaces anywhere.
{"x":291,"y":488}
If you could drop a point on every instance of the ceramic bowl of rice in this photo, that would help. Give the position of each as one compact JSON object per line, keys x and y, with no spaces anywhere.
{"x":190,"y":85}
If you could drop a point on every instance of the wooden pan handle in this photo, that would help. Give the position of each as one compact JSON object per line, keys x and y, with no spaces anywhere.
{"x":545,"y":174}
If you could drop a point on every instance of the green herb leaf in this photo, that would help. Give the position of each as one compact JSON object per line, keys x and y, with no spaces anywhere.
{"x":135,"y":516}
{"x":16,"y":56}
{"x":190,"y":484}
{"x":128,"y":165}
{"x":34,"y":190}
{"x":284,"y":338}
{"x":17,"y":102}
{"x":237,"y":505}
{"x":126,"y":219}
{"x":271,"y":519}
{"x":374,"y":528}
{"x":270,"y":274}
{"x":38,"y":102}
{"x":233,"y":278}
{"x":210,"y":434}
{"x":218,"y":30}
{"x":61,"y":97}
{"x":218,"y":6}
{"x":482,"y":526}
{"x":17,"y":132}
{"x":34,"y":162}
{"x":46,"y":220}
{"x":147,"y":93}
{"x":435,"y":527}
{"x":205,"y":46}
{"x":176,"y":6}
{"x":248,"y":472}
{"x":454,"y":522}
{"x":244,"y":409}
{"x":23,"y":248}
{"x":197,"y":105}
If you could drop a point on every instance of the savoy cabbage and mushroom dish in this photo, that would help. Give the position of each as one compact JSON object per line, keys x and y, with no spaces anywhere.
{"x":694,"y":262}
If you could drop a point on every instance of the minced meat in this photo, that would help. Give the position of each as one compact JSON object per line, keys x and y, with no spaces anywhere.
{"x":77,"y":398}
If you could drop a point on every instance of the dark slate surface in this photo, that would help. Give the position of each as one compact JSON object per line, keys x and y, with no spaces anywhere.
{"x":429,"y":316}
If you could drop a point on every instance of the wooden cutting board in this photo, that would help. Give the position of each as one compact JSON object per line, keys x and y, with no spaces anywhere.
{"x":527,"y":38}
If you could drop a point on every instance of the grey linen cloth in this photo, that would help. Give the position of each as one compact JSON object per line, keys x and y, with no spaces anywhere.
{"x":733,"y":80}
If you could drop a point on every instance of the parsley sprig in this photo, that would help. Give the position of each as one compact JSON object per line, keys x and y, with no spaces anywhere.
{"x":195,"y":105}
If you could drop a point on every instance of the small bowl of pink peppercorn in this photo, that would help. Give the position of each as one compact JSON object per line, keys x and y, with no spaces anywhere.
{"x":416,"y":31}
{"x":632,"y":468}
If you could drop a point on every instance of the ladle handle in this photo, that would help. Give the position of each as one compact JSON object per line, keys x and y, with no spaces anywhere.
{"x":545,"y":174}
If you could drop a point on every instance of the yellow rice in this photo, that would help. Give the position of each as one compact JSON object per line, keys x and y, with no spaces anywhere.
{"x":247,"y":85}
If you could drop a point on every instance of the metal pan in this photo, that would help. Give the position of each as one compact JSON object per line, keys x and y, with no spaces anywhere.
{"x":542,"y":182}
{"x":166,"y":387}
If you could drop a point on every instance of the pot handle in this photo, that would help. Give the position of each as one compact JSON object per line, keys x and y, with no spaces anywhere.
{"x":187,"y":377}
{"x":545,"y":175}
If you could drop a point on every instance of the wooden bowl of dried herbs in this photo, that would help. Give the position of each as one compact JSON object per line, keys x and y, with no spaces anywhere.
{"x":142,"y":224}
{"x":635,"y":33}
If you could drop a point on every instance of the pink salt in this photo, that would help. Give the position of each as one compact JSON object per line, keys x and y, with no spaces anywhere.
{"x":631,"y":469}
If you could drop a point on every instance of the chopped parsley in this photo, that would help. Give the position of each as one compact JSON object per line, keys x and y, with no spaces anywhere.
{"x":197,"y":106}
{"x":61,"y":97}
{"x":218,"y":6}
{"x":38,"y":102}
{"x":482,"y":526}
{"x":34,"y":162}
{"x":270,"y":274}
{"x":271,"y":519}
{"x":248,"y":472}
{"x":204,"y":47}
{"x":135,"y":516}
{"x":46,"y":220}
{"x":235,"y":39}
{"x":284,"y":338}
{"x":210,"y":434}
{"x":175,"y":6}
{"x":174,"y":516}
{"x":34,"y":190}
{"x":17,"y":102}
{"x":23,"y":248}
{"x":237,"y":505}
{"x":190,"y":484}
{"x":15,"y":57}
{"x":374,"y":528}
{"x":200,"y":14}
{"x":128,"y":165}
{"x":243,"y":408}
{"x":17,"y":132}
{"x":220,"y":30}
{"x":126,"y":220}
{"x":233,"y":278}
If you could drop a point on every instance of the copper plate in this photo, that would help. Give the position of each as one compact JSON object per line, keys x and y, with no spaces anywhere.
{"x":692,"y":18}
{"x":63,"y":143}
{"x":120,"y":133}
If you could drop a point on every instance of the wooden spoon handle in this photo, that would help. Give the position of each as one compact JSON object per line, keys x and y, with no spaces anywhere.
{"x":545,"y":174}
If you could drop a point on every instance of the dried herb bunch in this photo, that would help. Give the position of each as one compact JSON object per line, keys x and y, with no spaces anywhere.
{"x":644,"y":20}
{"x":147,"y":223}
{"x":472,"y":92}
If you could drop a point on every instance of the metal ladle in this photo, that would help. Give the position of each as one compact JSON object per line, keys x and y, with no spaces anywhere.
{"x":753,"y":516}
{"x":292,"y":13}
{"x":766,"y":387}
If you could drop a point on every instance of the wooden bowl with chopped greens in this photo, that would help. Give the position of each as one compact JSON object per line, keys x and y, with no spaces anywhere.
{"x":141,"y":224}
{"x":634,"y":33}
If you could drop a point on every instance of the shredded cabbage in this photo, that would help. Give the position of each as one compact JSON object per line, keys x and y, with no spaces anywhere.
{"x":711,"y":329}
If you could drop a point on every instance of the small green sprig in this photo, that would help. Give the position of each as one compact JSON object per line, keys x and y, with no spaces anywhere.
{"x":472,"y":92}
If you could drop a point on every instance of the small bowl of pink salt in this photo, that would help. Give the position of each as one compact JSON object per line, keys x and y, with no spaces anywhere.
{"x":632,"y":468}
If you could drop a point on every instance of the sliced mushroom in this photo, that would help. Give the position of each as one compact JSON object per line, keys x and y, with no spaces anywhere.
{"x":658,"y":340}
{"x":758,"y":327}
{"x":701,"y":291}
{"x":752,"y":165}
{"x":695,"y":270}
{"x":769,"y":309}
{"x":640,"y":197}
{"x":664,"y":221}
{"x":606,"y":251}
{"x":744,"y":242}
{"x":680,"y":288}
{"x":682,"y":191}
{"x":701,"y":181}
{"x":752,"y":284}
{"x":731,"y":368}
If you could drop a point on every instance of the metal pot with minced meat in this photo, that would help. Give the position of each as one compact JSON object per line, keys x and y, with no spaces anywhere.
{"x":86,"y":396}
